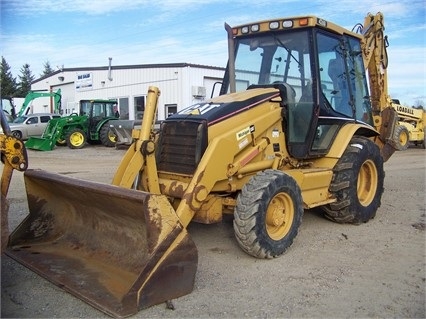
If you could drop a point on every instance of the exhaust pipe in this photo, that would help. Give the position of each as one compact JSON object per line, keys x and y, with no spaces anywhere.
{"x":109,"y":69}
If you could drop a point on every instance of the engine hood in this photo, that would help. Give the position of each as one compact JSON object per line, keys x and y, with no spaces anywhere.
{"x":222,"y":107}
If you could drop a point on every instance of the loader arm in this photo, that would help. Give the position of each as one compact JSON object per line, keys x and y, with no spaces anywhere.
{"x":141,"y":152}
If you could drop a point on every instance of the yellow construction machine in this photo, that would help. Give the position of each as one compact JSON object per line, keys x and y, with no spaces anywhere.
{"x":411,"y":127}
{"x":14,"y":157}
{"x":294,"y":128}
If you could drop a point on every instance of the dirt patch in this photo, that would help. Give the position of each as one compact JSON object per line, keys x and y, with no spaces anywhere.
{"x":375,"y":269}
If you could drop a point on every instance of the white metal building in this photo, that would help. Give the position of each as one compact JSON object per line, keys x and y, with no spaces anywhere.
{"x":181,"y":85}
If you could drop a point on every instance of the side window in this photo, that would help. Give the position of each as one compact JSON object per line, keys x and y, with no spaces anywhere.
{"x":85,"y":108}
{"x":170,"y":109}
{"x":123,"y":103}
{"x":96,"y":110}
{"x":109,"y":109}
{"x":32,"y":120}
{"x":44,"y":119}
{"x":139,"y":107}
{"x":358,"y":81}
{"x":334,"y":78}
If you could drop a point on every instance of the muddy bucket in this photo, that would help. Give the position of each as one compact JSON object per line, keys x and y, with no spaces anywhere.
{"x":40,"y":144}
{"x":117,"y":249}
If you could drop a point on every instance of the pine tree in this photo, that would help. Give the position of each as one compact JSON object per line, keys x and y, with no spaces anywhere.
{"x":47,"y":69}
{"x":25,"y":78}
{"x":7,"y":81}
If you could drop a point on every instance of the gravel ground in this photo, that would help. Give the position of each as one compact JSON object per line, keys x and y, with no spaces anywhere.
{"x":375,"y":270}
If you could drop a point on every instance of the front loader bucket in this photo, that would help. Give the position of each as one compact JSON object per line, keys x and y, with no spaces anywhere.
{"x":40,"y":144}
{"x":119,"y":250}
{"x":123,"y":130}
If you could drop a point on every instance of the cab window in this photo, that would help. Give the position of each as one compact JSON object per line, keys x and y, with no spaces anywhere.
{"x":333,"y":75}
{"x":44,"y":119}
{"x":32,"y":120}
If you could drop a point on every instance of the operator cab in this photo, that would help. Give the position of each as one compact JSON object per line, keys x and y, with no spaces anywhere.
{"x":325,"y":71}
{"x":98,"y":112}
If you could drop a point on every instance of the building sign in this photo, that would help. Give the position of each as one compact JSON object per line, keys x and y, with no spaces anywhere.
{"x":84,"y":82}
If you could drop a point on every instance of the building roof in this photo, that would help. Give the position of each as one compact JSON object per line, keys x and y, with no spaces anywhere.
{"x":128,"y":67}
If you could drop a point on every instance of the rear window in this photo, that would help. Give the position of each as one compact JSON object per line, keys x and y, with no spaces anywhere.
{"x":44,"y":119}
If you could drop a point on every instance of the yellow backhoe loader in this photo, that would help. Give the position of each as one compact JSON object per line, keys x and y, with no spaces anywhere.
{"x":411,"y":127}
{"x":294,"y":128}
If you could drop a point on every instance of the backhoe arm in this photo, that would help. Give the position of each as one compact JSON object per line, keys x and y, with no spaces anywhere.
{"x":375,"y":57}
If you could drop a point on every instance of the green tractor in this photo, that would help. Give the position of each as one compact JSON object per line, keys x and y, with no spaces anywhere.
{"x":91,"y":126}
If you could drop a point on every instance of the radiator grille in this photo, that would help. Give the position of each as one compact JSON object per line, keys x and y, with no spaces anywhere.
{"x":181,"y":146}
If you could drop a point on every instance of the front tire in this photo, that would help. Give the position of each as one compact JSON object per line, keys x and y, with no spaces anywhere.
{"x":76,"y":139}
{"x":268,"y":214}
{"x":357,"y":183}
{"x":17,"y":134}
{"x":60,"y":142}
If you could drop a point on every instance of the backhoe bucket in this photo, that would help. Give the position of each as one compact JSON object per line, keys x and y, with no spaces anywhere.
{"x":40,"y":144}
{"x":118,"y":249}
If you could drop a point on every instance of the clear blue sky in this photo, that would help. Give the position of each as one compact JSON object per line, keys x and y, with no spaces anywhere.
{"x":82,"y":33}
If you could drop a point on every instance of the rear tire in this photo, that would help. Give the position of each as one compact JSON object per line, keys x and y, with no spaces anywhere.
{"x":402,"y":137}
{"x":268,"y":214}
{"x":357,"y":183}
{"x":76,"y":138}
{"x":107,"y":136}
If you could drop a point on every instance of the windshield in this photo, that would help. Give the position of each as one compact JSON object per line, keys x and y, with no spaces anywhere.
{"x":20,"y":119}
{"x":273,"y":58}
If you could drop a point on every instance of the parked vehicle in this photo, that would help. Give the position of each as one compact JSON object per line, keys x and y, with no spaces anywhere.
{"x":91,"y":125}
{"x":6,"y":104}
{"x":25,"y":126}
{"x":411,"y":126}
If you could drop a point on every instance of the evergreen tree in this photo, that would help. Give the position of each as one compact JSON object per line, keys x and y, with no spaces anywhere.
{"x":7,"y":81}
{"x":25,"y":78}
{"x":47,"y":69}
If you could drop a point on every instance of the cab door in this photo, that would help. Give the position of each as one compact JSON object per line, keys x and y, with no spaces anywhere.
{"x":32,"y":125}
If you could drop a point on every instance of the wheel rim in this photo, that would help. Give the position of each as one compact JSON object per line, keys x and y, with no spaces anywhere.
{"x":403,"y":138}
{"x":279,"y":216}
{"x":367,"y":183}
{"x":76,"y":139}
{"x":112,"y":137}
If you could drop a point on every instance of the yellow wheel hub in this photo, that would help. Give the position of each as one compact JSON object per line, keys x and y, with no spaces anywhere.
{"x":279,"y":216}
{"x":77,"y":139}
{"x":112,"y":137}
{"x":403,"y":138}
{"x":367,"y":183}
